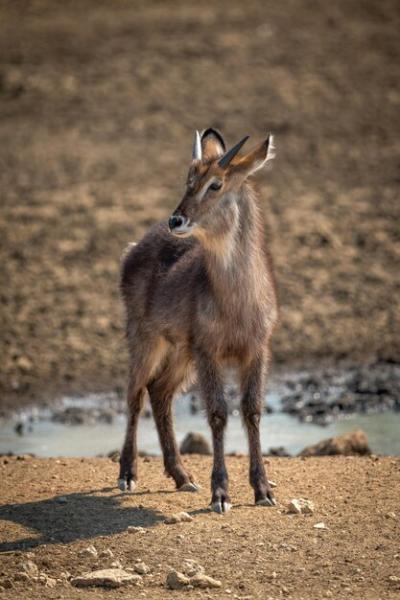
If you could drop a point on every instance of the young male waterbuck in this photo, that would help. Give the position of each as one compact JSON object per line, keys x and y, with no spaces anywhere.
{"x":199,"y":296}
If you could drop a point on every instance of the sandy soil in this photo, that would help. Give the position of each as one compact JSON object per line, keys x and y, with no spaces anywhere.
{"x":255,"y":552}
{"x":98,"y":102}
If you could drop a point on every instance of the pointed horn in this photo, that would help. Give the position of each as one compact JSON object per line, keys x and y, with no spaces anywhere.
{"x":197,"y":152}
{"x":228,"y":156}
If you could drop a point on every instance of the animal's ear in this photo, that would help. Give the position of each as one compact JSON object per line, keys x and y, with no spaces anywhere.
{"x":256,"y":159}
{"x":212,"y":143}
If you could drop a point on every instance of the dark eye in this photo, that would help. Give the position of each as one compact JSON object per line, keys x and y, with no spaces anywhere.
{"x":217,"y":185}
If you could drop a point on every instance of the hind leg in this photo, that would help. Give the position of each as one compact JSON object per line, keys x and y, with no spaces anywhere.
{"x":128,"y":461}
{"x":161,"y":391}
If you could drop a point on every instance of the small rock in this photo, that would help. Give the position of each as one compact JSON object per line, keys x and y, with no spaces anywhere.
{"x":353,"y":443}
{"x":182,"y":517}
{"x":30,"y":568}
{"x":272,"y":484}
{"x":141,"y":568}
{"x":203,"y":581}
{"x":320,"y":526}
{"x":394,"y":578}
{"x":62,"y":500}
{"x":177,"y":581}
{"x":279,"y":451}
{"x":300,"y":506}
{"x":116,"y":564}
{"x":134,"y":529}
{"x":191,"y":567}
{"x":89,"y":551}
{"x":49,"y":582}
{"x":195,"y":443}
{"x":24,"y":364}
{"x":111,"y":578}
{"x":390,"y":515}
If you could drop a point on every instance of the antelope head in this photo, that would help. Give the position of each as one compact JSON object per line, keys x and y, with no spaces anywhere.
{"x":215,"y":178}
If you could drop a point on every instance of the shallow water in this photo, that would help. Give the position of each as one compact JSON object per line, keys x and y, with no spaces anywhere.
{"x":46,"y":438}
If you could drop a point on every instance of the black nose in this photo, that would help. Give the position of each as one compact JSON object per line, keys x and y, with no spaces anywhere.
{"x":175,"y":221}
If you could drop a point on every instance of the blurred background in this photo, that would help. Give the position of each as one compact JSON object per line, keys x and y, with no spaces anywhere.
{"x":98,"y":104}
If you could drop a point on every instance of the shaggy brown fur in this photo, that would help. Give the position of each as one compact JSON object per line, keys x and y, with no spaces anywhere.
{"x":196,"y":302}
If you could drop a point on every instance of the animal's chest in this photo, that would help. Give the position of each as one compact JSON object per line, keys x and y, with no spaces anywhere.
{"x":230,"y":329}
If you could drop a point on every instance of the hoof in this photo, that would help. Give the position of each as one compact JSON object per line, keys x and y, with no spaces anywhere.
{"x":125,"y":486}
{"x":266,"y":502}
{"x":189,"y":487}
{"x":220,"y":507}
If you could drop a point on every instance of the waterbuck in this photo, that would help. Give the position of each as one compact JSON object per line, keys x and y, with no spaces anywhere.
{"x":200,"y":297}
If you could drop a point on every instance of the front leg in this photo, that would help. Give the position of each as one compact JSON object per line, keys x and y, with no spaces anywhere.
{"x":217,"y":411}
{"x":253,"y":388}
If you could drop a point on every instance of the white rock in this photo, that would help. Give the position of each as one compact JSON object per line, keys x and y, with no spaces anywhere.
{"x":181,"y":517}
{"x":191,"y":567}
{"x":299,"y":506}
{"x":320,"y":526}
{"x":111,"y":578}
{"x":89,"y":551}
{"x":177,"y":580}
{"x":141,"y":568}
{"x":30,"y":568}
{"x":133,"y":529}
{"x":204,"y":581}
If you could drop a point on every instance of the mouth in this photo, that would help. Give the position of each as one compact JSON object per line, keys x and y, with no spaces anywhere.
{"x":183,"y":230}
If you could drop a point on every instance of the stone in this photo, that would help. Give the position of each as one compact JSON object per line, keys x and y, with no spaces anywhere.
{"x":320,"y":526}
{"x":353,"y":443}
{"x":30,"y":568}
{"x":278,"y":451}
{"x":134,"y":529}
{"x":141,"y":568}
{"x":191,"y":567}
{"x":299,"y":506}
{"x":177,"y":580}
{"x":116,"y":564}
{"x":106,"y":553}
{"x":89,"y":551}
{"x":203,"y":581}
{"x":110,"y":578}
{"x":182,"y":517}
{"x":195,"y":443}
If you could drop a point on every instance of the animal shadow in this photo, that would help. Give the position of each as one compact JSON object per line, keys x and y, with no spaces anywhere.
{"x":73,"y":517}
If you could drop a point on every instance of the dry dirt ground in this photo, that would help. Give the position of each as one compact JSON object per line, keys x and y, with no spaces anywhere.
{"x":255,"y":552}
{"x":98,"y":103}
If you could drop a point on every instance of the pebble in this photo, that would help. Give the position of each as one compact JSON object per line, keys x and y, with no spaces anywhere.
{"x":191,"y":567}
{"x":300,"y":506}
{"x":390,"y":515}
{"x":182,"y":517}
{"x":89,"y":551}
{"x":62,"y":500}
{"x":107,"y":553}
{"x":111,"y":578}
{"x":141,"y":568}
{"x":30,"y":568}
{"x":320,"y":526}
{"x":177,"y":580}
{"x":133,"y":529}
{"x":203,"y":581}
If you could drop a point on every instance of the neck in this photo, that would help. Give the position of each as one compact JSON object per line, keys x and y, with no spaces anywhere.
{"x":233,"y":251}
